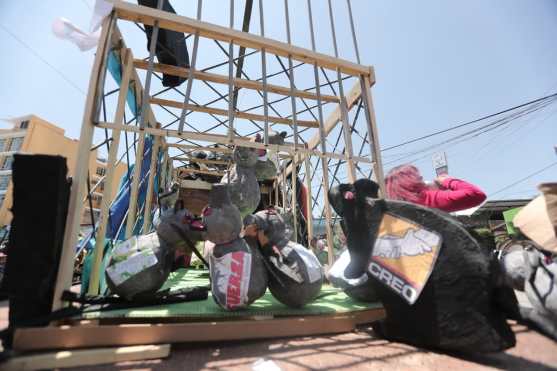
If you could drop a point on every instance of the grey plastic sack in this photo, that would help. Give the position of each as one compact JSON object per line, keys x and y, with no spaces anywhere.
{"x":297,"y":275}
{"x":238,"y":276}
{"x":139,"y":266}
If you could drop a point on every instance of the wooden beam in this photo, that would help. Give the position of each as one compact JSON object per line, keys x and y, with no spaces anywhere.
{"x":147,"y":211}
{"x":197,"y":171}
{"x":200,"y":148}
{"x":223,"y":112}
{"x":69,"y":337}
{"x":86,"y":357}
{"x":148,"y":16}
{"x":373,"y":134}
{"x":200,"y":160}
{"x":334,"y":118}
{"x":75,"y":207}
{"x":107,"y":196}
{"x":221,"y":79}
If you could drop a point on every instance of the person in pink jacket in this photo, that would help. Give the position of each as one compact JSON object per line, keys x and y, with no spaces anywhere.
{"x":449,"y":194}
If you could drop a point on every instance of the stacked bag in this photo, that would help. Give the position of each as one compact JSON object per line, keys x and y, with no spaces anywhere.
{"x":238,"y":276}
{"x":295,"y":274}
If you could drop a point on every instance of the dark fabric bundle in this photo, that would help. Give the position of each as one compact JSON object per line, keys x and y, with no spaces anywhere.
{"x":171,"y":46}
{"x":40,"y":206}
{"x":139,"y":266}
{"x":462,"y":307}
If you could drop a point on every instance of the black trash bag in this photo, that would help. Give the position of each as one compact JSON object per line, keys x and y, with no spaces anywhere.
{"x":361,"y":288}
{"x":295,"y":276}
{"x":460,"y":307}
{"x":534,"y":272}
{"x":139,"y":266}
{"x":171,"y":46}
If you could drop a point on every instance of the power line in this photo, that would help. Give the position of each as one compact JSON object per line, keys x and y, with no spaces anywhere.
{"x":41,"y":58}
{"x":471,"y":134}
{"x":467,"y":123}
{"x":525,"y":178}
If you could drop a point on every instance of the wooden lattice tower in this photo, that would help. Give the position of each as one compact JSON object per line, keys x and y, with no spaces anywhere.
{"x":337,"y":144}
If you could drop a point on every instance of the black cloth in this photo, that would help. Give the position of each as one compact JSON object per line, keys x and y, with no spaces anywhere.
{"x":463,"y":306}
{"x":171,"y":46}
{"x":40,"y":205}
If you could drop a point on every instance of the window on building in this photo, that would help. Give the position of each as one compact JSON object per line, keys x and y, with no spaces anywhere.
{"x":101,"y":186}
{"x":101,"y":171}
{"x":16,"y":144}
{"x":7,"y":163}
{"x":2,"y":144}
{"x":24,"y":124}
{"x":4,"y":180}
{"x":2,"y":197}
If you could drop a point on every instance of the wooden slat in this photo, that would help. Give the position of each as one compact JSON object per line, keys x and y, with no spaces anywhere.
{"x":200,"y":160}
{"x":69,"y":337}
{"x":221,"y":79}
{"x":238,"y":114}
{"x":87,"y":357}
{"x":147,"y":16}
{"x":197,"y":171}
{"x":200,"y":148}
{"x":75,"y":208}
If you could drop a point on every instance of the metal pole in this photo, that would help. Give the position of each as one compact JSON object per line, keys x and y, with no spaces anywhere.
{"x":264,"y":77}
{"x":343,"y":107}
{"x":295,"y":125}
{"x":323,"y":147}
{"x":191,"y":70}
{"x":152,"y":50}
{"x":353,"y":31}
{"x":231,"y":79}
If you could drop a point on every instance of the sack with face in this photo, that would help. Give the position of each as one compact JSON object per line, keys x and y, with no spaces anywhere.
{"x":139,"y":266}
{"x":462,"y":305}
{"x":267,"y":165}
{"x":295,"y":276}
{"x":244,"y":188}
{"x":178,"y":228}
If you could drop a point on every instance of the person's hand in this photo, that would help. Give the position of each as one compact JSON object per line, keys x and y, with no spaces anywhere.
{"x":440,"y":179}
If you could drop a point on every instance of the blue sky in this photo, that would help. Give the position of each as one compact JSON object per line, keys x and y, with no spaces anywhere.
{"x":438,"y":63}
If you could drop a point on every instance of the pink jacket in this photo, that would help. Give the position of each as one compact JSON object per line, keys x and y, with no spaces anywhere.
{"x":453,"y":195}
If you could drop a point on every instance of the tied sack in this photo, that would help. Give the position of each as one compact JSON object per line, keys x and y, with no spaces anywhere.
{"x":297,"y":275}
{"x":139,"y":266}
{"x":238,"y":276}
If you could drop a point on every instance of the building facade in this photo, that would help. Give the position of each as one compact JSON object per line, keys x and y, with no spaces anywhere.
{"x":33,"y":135}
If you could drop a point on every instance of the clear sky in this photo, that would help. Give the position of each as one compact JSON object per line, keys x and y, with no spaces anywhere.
{"x":438,"y":63}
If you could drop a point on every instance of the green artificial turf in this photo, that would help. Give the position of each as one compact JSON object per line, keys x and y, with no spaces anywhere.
{"x":330,"y":301}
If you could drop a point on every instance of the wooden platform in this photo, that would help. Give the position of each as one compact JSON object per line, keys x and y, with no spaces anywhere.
{"x":98,"y":335}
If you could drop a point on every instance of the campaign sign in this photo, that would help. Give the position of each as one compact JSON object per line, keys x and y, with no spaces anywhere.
{"x":403,"y":256}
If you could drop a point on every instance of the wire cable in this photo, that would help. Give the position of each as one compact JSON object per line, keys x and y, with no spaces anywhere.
{"x":30,"y":49}
{"x":468,"y":123}
{"x":523,"y":179}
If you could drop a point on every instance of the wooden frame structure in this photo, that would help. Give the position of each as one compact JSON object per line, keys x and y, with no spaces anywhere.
{"x":327,"y":140}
